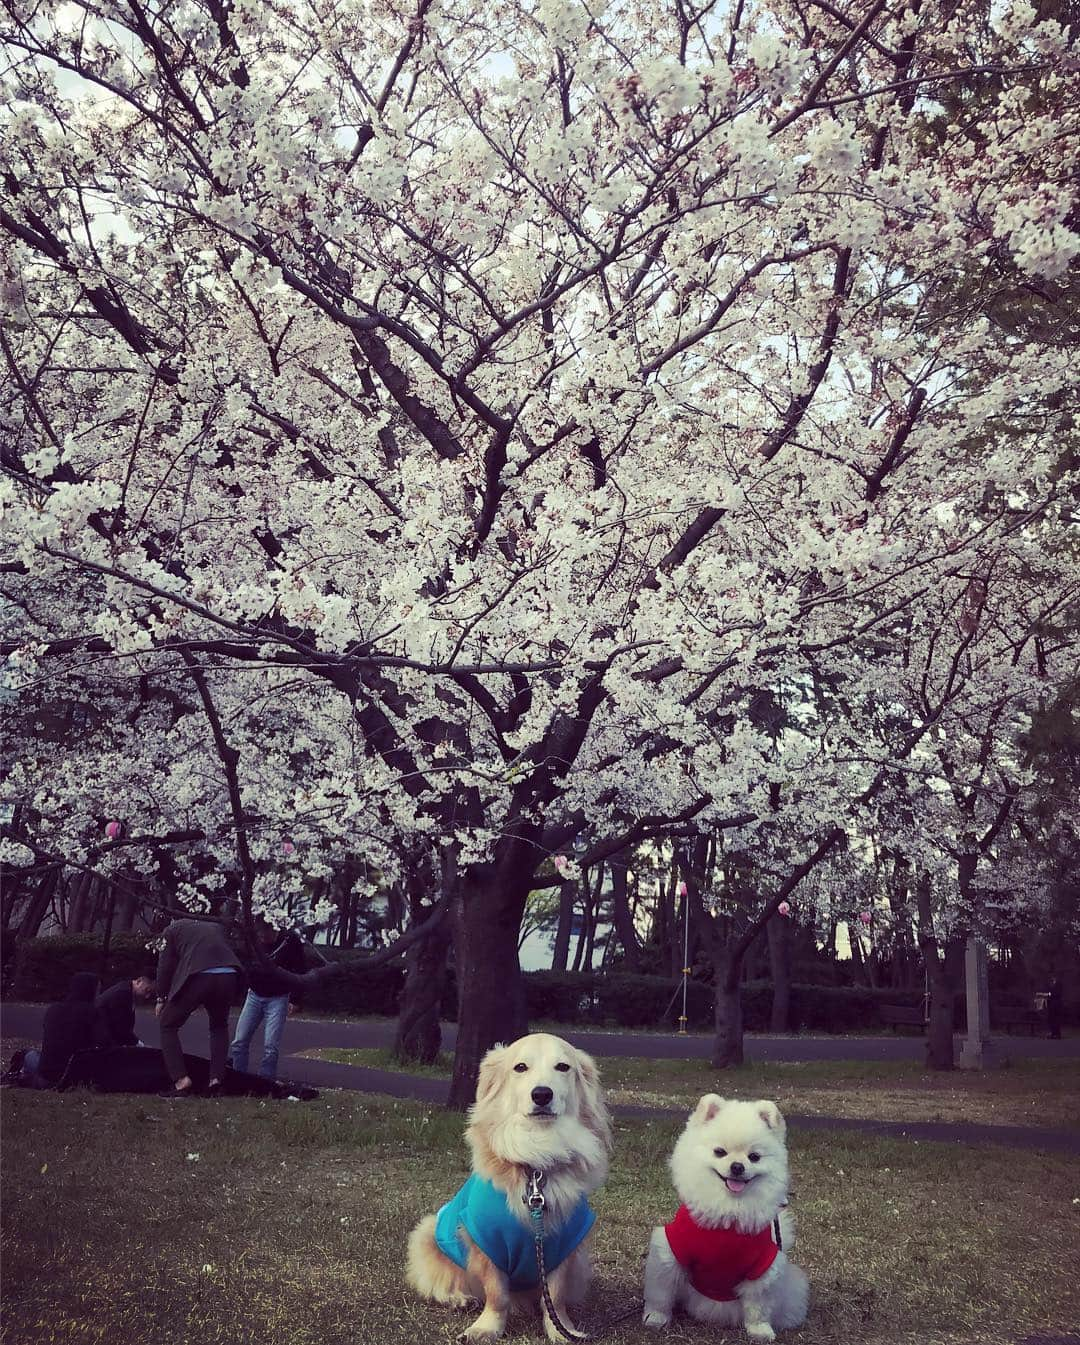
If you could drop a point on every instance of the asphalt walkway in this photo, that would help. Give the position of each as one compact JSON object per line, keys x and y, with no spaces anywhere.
{"x":303,"y":1034}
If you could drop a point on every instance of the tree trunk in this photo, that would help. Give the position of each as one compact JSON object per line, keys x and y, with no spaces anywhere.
{"x":622,"y":919}
{"x":38,"y":906}
{"x":419,"y":1031}
{"x":567,"y":895}
{"x":586,"y":937}
{"x":125,"y":912}
{"x":939,"y":1029}
{"x":779,"y":934}
{"x":80,"y":900}
{"x":491,"y":998}
{"x":666,"y":919}
{"x":106,"y":938}
{"x":728,"y":1045}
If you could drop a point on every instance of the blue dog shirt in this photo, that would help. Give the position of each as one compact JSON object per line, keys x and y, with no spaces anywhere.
{"x":482,"y":1210}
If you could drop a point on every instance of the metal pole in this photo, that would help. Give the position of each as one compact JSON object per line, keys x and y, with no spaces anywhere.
{"x":686,"y":959}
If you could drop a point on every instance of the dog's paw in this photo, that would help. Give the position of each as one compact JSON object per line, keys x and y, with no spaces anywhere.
{"x":761,"y":1331}
{"x":479,"y":1333}
{"x":460,"y":1302}
{"x":655,"y":1321}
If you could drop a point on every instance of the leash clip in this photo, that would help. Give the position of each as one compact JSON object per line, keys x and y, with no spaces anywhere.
{"x":534,"y":1190}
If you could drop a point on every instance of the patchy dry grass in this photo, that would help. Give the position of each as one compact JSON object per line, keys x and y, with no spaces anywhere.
{"x":1028,"y":1092}
{"x":246,"y":1223}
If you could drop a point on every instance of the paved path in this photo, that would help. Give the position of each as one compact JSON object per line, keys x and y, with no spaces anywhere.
{"x":305,"y":1034}
{"x":24,"y":1020}
{"x":424,"y":1088}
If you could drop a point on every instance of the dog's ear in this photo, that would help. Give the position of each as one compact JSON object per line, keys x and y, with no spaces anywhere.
{"x":770,"y":1114}
{"x":706,"y":1109}
{"x":594,"y":1113}
{"x":492,"y":1069}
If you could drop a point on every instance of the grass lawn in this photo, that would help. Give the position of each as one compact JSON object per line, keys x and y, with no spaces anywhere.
{"x":130,"y":1219}
{"x":1028,"y":1092}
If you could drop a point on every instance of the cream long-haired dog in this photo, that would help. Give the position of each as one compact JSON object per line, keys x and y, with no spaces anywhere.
{"x":724,"y":1256}
{"x":538,"y":1107}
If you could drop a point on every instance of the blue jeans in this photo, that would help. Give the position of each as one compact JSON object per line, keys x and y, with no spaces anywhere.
{"x":271,"y":1011}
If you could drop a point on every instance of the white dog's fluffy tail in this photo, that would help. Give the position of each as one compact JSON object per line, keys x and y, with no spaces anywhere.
{"x":790,"y":1299}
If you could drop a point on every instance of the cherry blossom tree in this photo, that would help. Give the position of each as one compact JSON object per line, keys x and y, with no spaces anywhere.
{"x":428,"y":434}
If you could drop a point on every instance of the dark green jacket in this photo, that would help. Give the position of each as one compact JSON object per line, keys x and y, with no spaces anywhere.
{"x":191,"y":946}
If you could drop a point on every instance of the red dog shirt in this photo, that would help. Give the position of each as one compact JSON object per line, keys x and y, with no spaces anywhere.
{"x":717,"y":1259}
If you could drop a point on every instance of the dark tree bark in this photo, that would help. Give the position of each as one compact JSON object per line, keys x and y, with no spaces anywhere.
{"x":778,"y":931}
{"x":77,"y":903}
{"x":38,"y":907}
{"x":590,"y":898}
{"x":622,"y":918}
{"x":664,"y":923}
{"x":728,"y":1020}
{"x":106,"y":938}
{"x":127,"y":906}
{"x":593,"y":918}
{"x":567,"y":901}
{"x":491,"y":1001}
{"x":727,"y":948}
{"x":419,"y":1031}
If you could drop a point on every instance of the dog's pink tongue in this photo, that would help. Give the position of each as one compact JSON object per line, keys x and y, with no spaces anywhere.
{"x":733,"y":1184}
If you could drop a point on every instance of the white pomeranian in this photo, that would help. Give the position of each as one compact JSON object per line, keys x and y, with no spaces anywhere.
{"x":724,"y":1256}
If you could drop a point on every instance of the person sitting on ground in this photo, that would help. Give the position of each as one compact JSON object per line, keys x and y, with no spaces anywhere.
{"x":270,"y":998}
{"x":197,"y":969}
{"x":72,"y":1024}
{"x":117,"y":1008}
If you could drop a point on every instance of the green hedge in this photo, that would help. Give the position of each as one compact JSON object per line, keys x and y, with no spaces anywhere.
{"x":355,"y":991}
{"x":627,"y":1000}
{"x":44,"y":967}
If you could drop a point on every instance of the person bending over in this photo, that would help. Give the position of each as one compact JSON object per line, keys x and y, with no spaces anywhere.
{"x":197,"y":969}
{"x":116,"y":1006}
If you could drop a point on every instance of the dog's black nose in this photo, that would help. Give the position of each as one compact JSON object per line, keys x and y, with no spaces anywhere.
{"x":737,"y":1169}
{"x":541,"y":1095}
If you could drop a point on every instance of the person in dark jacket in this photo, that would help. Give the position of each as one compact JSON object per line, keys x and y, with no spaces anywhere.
{"x":197,"y":969}
{"x":116,"y":1007}
{"x":270,"y":998}
{"x":71,"y":1025}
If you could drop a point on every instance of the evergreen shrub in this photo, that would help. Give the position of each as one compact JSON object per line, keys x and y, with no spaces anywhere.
{"x":44,"y":966}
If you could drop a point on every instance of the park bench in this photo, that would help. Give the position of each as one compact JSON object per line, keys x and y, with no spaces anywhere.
{"x":1013,"y":1019}
{"x":903,"y":1015}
